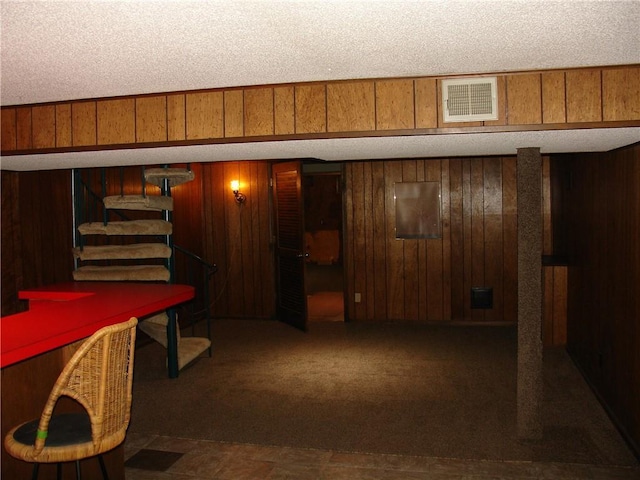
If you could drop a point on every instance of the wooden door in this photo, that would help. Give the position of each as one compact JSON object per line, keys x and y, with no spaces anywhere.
{"x":290,"y":251}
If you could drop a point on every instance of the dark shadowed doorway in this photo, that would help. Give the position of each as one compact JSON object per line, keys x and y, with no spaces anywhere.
{"x":324,"y":272}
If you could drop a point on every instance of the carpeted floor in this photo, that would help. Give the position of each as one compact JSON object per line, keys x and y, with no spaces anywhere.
{"x":424,"y":390}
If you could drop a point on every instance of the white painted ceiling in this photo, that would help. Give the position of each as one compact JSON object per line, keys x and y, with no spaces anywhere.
{"x":57,"y":51}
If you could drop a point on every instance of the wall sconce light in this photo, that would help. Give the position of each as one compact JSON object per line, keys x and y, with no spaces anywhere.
{"x":240,"y":197}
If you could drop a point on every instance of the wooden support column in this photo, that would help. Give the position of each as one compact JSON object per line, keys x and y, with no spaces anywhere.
{"x":530,"y":383}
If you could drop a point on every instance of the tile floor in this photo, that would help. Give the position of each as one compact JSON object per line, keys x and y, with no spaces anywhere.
{"x":205,"y":460}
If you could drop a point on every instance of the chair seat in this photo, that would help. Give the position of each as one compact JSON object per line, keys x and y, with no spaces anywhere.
{"x":64,"y":430}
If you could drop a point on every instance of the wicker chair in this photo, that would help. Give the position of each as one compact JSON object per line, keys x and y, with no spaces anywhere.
{"x":99,"y":376}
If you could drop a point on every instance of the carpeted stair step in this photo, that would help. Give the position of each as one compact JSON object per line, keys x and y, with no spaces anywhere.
{"x":189,"y":348}
{"x":176,"y":176}
{"x":154,"y":203}
{"x":131,"y":227}
{"x":156,"y":328}
{"x":123,"y":252}
{"x":125,"y":273}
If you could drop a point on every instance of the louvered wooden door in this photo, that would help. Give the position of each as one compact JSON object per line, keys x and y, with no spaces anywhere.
{"x":290,"y":251}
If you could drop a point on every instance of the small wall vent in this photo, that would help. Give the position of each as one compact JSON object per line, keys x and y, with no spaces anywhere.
{"x":470,"y":99}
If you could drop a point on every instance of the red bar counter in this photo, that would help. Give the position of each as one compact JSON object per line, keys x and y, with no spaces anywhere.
{"x":36,"y":344}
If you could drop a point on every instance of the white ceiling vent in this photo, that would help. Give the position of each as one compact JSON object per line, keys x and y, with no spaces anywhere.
{"x":470,"y":99}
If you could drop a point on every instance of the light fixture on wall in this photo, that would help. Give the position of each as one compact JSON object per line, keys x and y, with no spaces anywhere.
{"x":235,"y":188}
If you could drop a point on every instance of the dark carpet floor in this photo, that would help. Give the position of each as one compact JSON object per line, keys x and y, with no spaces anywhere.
{"x":377,"y":388}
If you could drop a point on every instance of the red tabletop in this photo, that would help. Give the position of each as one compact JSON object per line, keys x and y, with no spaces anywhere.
{"x":65,"y":313}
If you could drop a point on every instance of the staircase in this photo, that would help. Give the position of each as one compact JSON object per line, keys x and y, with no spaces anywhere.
{"x":110,"y":250}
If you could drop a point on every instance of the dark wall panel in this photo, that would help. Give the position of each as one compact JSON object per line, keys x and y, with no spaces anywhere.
{"x":602,"y":210}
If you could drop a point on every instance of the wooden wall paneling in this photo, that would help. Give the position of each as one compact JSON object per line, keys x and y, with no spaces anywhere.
{"x":547,"y":306}
{"x":411,"y":260}
{"x":263,"y":242}
{"x":204,"y":115}
{"x":547,"y":225}
{"x":370,"y":240}
{"x":225,"y":249}
{"x":44,"y":126}
{"x":467,"y":249}
{"x":116,"y":121}
{"x":621,"y":275}
{"x":394,"y":104}
{"x":245,"y":257}
{"x":445,"y":193}
{"x":351,"y":106}
{"x":395,"y":248}
{"x":234,"y":113}
{"x":188,"y":216}
{"x":621,"y":94}
{"x":524,"y":99}
{"x":501,"y":94}
{"x":24,"y":138}
{"x":176,"y":117}
{"x":233,"y":238}
{"x":9,"y":133}
{"x":553,"y":97}
{"x":584,"y":99}
{"x":426,"y":103}
{"x":603,"y":277}
{"x":493,"y":235}
{"x":57,"y":219}
{"x":151,"y":119}
{"x":456,"y":263}
{"x":559,"y":305}
{"x":214,"y":234}
{"x":284,"y":108}
{"x":10,"y":244}
{"x":435,"y":267}
{"x":31,"y":232}
{"x":47,"y":242}
{"x":348,"y":245}
{"x":310,"y":108}
{"x":422,"y":263}
{"x":380,"y":238}
{"x":510,"y":239}
{"x":63,"y":125}
{"x":476,"y":231}
{"x":359,"y":212}
{"x":258,"y":112}
{"x":83,"y":123}
{"x":578,"y":324}
{"x":492,"y":213}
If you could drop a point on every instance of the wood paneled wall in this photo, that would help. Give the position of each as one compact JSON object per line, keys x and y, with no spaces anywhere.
{"x":431,"y":279}
{"x":420,"y":280}
{"x":238,"y":238}
{"x":535,"y":100}
{"x":603,"y":215}
{"x":554,"y":315}
{"x":36,"y":232}
{"x":11,"y":259}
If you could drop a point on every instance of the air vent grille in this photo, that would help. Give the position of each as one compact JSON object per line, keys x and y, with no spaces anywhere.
{"x":467,"y":100}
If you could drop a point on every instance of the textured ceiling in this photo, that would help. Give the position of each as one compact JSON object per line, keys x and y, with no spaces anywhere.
{"x":68,"y":50}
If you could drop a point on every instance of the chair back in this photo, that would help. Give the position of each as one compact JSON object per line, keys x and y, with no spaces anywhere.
{"x":99,"y":376}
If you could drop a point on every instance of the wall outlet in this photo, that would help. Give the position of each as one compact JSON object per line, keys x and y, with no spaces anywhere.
{"x":358,"y":298}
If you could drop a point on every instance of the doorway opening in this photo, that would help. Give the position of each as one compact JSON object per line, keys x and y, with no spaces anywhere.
{"x":324,"y":268}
